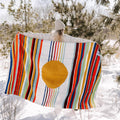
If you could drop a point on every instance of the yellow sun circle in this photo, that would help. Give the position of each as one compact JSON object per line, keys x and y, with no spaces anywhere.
{"x":54,"y":74}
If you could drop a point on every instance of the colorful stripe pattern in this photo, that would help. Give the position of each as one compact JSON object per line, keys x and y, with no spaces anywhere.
{"x":56,"y":52}
{"x":84,"y":78}
{"x":24,"y":72}
{"x":82,"y":60}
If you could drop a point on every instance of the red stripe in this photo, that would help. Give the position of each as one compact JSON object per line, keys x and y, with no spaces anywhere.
{"x":31,"y":68}
{"x":18,"y":78}
{"x":92,"y":81}
{"x":88,"y":80}
{"x":15,"y":61}
{"x":38,"y":70}
{"x":72,"y":73}
{"x":21,"y":63}
{"x":75,"y":73}
{"x":78,"y":75}
{"x":48,"y":97}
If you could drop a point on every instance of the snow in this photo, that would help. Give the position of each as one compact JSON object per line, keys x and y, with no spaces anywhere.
{"x":107,"y":97}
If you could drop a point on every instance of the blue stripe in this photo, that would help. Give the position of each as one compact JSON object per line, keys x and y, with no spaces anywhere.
{"x":87,"y":74}
{"x":78,"y":70}
{"x":11,"y":62}
{"x":50,"y":51}
{"x":44,"y":96}
{"x":27,"y":65}
{"x":96,"y":76}
{"x":83,"y":68}
{"x":16,"y":66}
{"x":43,"y":101}
{"x":90,"y":81}
{"x":36,"y":71}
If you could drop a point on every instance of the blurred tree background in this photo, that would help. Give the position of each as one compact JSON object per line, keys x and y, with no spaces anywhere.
{"x":79,"y":21}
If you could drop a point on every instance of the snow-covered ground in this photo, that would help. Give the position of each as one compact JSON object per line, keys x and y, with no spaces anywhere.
{"x":107,"y":98}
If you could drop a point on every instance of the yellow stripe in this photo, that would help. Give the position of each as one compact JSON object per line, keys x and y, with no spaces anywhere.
{"x":82,"y":74}
{"x":62,"y":52}
{"x":92,"y":104}
{"x":23,"y":66}
{"x":54,"y":92}
{"x":85,"y":75}
{"x":11,"y":76}
{"x":33,"y":75}
{"x":59,"y":51}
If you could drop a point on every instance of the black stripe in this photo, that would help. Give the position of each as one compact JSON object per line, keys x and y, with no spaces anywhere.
{"x":72,"y":73}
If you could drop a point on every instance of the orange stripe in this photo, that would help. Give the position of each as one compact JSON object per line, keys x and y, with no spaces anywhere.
{"x":38,"y":70}
{"x":15,"y":62}
{"x":20,"y":67}
{"x":91,"y":82}
{"x":11,"y":77}
{"x":85,"y":73}
{"x":88,"y":80}
{"x":51,"y":92}
{"x":94,"y":88}
{"x":34,"y":68}
{"x":75,"y":74}
{"x":25,"y":55}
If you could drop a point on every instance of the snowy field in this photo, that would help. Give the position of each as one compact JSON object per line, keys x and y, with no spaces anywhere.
{"x":107,"y":97}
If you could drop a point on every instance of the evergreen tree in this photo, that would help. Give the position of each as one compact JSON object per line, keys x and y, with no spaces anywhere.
{"x":102,"y":2}
{"x":23,"y":14}
{"x":112,"y":21}
{"x":85,"y":24}
{"x":72,"y":14}
{"x":81,"y":23}
{"x":44,"y":19}
{"x":2,"y":6}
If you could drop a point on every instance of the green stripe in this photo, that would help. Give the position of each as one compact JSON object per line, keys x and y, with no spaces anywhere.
{"x":87,"y":47}
{"x":28,"y":61}
{"x":95,"y":89}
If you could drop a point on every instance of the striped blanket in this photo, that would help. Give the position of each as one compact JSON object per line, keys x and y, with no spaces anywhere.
{"x":54,"y":74}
